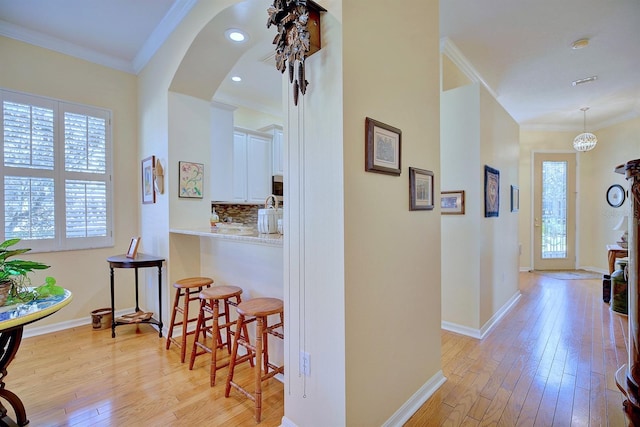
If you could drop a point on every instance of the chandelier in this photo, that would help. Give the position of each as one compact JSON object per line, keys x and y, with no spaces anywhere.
{"x":585,"y":141}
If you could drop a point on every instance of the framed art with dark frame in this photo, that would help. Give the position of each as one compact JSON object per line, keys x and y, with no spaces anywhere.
{"x":420,"y":189}
{"x":452,"y":202}
{"x":382,"y":147}
{"x":491,"y":192}
{"x":148,"y":189}
{"x":133,"y":247}
{"x":515,"y":198}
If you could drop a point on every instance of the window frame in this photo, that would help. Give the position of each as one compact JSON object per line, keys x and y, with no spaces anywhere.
{"x":60,"y":242}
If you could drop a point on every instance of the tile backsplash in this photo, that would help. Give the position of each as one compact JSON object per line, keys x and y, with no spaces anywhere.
{"x":245,"y":214}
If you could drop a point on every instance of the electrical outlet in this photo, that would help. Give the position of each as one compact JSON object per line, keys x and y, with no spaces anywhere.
{"x":305,"y":364}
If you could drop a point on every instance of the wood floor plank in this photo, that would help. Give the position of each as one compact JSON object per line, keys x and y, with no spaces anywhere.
{"x":551,"y":361}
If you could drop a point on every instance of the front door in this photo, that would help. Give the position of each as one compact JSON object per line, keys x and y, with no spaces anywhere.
{"x":554,"y":212}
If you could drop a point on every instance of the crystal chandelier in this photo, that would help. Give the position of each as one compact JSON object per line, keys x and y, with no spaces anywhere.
{"x":585,"y":141}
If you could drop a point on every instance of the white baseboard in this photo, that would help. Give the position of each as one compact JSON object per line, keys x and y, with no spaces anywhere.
{"x":286,"y":422}
{"x":411,"y":406}
{"x":34,"y":331}
{"x":406,"y":411}
{"x":487,"y":327}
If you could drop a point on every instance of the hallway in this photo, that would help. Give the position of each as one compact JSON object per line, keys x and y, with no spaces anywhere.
{"x":550,"y":361}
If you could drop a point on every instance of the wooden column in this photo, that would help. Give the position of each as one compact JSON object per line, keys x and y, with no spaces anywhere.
{"x":628,"y":376}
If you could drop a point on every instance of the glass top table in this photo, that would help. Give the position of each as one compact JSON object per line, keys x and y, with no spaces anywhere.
{"x":12,"y":321}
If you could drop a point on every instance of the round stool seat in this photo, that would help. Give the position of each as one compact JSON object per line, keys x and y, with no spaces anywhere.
{"x":260,"y":307}
{"x":193,"y":282}
{"x":220,"y":292}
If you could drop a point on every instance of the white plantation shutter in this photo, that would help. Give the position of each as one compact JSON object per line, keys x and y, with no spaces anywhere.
{"x":57,"y":173}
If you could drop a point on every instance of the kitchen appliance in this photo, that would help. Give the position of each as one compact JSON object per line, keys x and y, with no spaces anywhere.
{"x":277,"y":187}
{"x":269,"y":216}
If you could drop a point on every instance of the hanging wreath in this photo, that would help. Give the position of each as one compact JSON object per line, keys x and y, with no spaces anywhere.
{"x":292,"y":40}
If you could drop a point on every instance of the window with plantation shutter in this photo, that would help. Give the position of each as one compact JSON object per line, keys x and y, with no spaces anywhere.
{"x":56,"y":174}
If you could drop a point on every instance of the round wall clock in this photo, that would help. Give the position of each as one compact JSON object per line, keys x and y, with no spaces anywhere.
{"x":615,"y":195}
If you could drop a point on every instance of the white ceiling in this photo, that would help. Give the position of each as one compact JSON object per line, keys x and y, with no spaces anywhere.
{"x":519,"y":49}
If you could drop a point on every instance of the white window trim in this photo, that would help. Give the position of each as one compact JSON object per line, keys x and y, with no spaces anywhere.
{"x":60,"y":242}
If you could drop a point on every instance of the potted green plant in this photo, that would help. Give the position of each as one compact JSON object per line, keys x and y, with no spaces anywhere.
{"x":15,"y":284}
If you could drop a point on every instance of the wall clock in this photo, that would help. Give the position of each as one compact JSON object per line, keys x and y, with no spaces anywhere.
{"x":615,"y":195}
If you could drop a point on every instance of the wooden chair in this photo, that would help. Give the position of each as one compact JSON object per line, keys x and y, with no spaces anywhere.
{"x":256,"y":310}
{"x":187,"y":290}
{"x":210,"y":299}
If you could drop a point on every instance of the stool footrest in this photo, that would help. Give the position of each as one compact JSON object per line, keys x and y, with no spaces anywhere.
{"x":243,"y":391}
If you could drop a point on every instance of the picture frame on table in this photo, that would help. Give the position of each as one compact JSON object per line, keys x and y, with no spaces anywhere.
{"x":133,"y":247}
{"x":491,"y":192}
{"x":148,"y":189}
{"x":383,"y":144}
{"x":452,"y":202}
{"x":515,"y":198}
{"x":191,"y":179}
{"x":420,"y":189}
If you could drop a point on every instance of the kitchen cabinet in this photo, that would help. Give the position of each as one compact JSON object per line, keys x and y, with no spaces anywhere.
{"x":252,"y":157}
{"x":277,"y":149}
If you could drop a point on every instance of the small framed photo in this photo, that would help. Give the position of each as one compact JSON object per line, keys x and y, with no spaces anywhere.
{"x":148,"y":189}
{"x":191,"y":177}
{"x":133,"y":247}
{"x":420,"y":189}
{"x":452,"y":202}
{"x":382,"y":147}
{"x":491,"y":192}
{"x":515,"y":198}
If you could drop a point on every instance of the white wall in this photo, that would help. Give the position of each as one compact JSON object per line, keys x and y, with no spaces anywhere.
{"x":479,"y":255}
{"x":499,"y":243}
{"x":461,"y":170}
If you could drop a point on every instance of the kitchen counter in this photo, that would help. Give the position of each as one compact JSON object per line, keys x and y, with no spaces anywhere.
{"x":240,"y":234}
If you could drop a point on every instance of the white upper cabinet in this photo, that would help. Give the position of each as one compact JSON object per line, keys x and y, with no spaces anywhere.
{"x":252,"y":158}
{"x":277,"y":149}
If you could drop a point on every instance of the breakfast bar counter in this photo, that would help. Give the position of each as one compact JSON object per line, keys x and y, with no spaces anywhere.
{"x":238,"y":234}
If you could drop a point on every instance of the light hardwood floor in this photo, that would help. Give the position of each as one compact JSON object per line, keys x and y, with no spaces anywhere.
{"x":83,"y":377}
{"x":549,"y":362}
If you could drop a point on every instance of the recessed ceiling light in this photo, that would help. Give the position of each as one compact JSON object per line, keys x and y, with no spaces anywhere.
{"x":579,"y":44}
{"x":236,"y":78}
{"x":235,"y":35}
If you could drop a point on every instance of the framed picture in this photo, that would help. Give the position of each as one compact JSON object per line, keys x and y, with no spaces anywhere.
{"x":148,"y":189}
{"x":191,"y":180}
{"x":420,"y":189}
{"x":491,"y":191}
{"x":615,"y":195}
{"x":452,"y":202}
{"x":133,"y":247}
{"x":515,"y":198}
{"x":382,"y":147}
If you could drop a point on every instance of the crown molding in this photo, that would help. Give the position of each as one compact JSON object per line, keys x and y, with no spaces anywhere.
{"x":52,"y":43}
{"x":449,"y":48}
{"x":161,"y":33}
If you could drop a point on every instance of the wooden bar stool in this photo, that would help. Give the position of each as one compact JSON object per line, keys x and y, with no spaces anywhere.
{"x":210,"y":310}
{"x":188,"y":290}
{"x":258,"y":310}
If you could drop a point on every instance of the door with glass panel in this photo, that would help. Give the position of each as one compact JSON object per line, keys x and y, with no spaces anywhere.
{"x":554,"y":211}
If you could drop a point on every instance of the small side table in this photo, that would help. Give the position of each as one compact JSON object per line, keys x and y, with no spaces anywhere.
{"x":140,"y":261}
{"x":614,"y":252}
